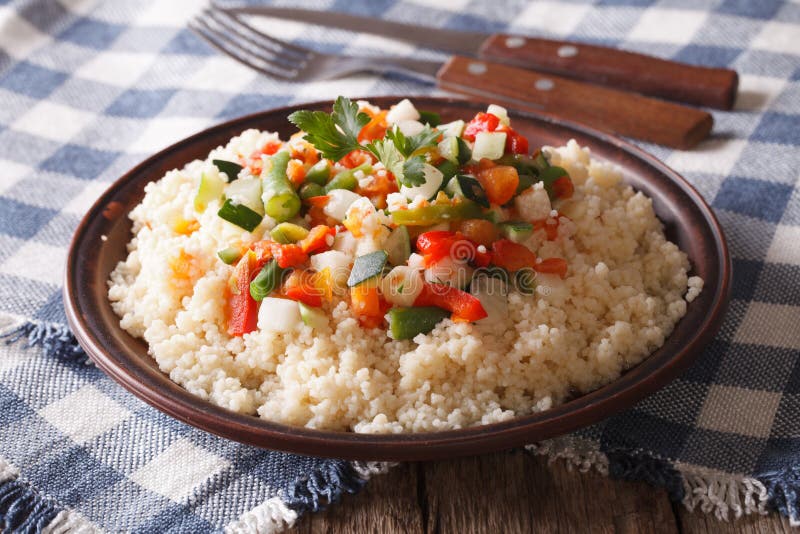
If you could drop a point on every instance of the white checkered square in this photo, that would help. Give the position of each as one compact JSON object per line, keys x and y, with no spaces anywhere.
{"x":172,"y":14}
{"x":717,"y":156}
{"x":79,"y":7}
{"x":116,"y":68}
{"x":555,"y":17}
{"x":53,"y":121}
{"x":12,"y":173}
{"x":85,"y":414}
{"x":756,"y":93}
{"x":780,"y":37}
{"x":179,"y":470}
{"x":161,"y":132}
{"x":785,"y":247}
{"x":214,"y":69}
{"x":17,"y":37}
{"x":661,"y":25}
{"x":740,"y":411}
{"x":37,"y":261}
{"x":84,"y":200}
{"x":773,"y":325}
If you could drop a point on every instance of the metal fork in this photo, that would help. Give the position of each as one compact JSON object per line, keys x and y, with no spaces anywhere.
{"x":235,"y":37}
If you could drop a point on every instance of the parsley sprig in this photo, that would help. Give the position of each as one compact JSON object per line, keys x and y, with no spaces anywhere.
{"x":335,"y":135}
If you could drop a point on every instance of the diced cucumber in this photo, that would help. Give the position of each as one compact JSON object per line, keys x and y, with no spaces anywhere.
{"x":431,"y":118}
{"x":267,"y":279}
{"x":500,"y":112}
{"x":448,"y":170}
{"x":464,"y":151}
{"x":493,"y":294}
{"x":279,"y":315}
{"x":490,"y":145}
{"x":433,"y":181}
{"x":311,"y":190}
{"x":366,"y":267}
{"x":407,"y":323}
{"x":467,"y":187}
{"x":246,"y":191}
{"x":240,"y":215}
{"x":319,"y":173}
{"x":452,"y":129}
{"x":448,"y":149}
{"x":313,"y":317}
{"x":230,"y":255}
{"x":398,"y":246}
{"x":516,"y":231}
{"x":230,"y":168}
{"x":210,"y":188}
{"x":287,"y":232}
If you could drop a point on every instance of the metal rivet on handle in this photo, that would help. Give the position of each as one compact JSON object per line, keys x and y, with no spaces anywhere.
{"x":515,"y":42}
{"x":476,"y":67}
{"x":544,"y":84}
{"x":567,"y":51}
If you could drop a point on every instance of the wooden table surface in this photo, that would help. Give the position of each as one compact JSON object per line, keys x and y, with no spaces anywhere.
{"x":515,"y":492}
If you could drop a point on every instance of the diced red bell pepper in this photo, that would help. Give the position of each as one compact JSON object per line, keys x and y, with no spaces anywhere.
{"x":552,"y":266}
{"x":438,"y":244}
{"x":242,"y":309}
{"x":483,"y":122}
{"x":516,"y":143}
{"x":317,"y":239}
{"x":290,"y":255}
{"x":463,"y":306}
{"x":300,"y":286}
{"x":563,"y":187}
{"x":512,"y":256}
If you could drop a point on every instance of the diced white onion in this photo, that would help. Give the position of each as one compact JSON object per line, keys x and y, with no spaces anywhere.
{"x":338,"y":202}
{"x":403,"y":110}
{"x":433,"y":181}
{"x":402,"y":285}
{"x":279,"y":315}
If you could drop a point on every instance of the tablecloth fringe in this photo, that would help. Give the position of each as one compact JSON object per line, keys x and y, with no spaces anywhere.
{"x":726,"y":496}
{"x":55,"y":338}
{"x":22,"y":509}
{"x":311,"y":493}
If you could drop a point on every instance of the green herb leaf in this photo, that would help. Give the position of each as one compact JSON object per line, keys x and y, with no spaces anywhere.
{"x":334,"y":135}
{"x":409,"y":145}
{"x":408,"y":172}
{"x":414,"y":171}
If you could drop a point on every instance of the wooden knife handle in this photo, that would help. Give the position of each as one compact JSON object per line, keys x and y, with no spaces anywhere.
{"x":701,"y":86}
{"x":607,"y":109}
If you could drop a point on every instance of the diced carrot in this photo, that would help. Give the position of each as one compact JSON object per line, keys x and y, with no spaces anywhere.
{"x":356,"y":158}
{"x":500,"y":183}
{"x":296,"y":172}
{"x":317,"y":239}
{"x":374,"y":129}
{"x":365,"y":303}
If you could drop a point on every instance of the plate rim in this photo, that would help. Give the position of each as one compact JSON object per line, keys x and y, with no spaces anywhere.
{"x":595,"y":405}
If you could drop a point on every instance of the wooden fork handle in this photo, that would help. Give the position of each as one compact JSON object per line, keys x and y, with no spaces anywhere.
{"x":619,"y":112}
{"x":692,"y":84}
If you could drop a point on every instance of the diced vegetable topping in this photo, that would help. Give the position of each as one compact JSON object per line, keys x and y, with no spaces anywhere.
{"x":456,"y":210}
{"x":407,"y":323}
{"x":367,"y":266}
{"x":230,"y":168}
{"x":240,"y":215}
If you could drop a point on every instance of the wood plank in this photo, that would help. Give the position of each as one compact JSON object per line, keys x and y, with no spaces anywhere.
{"x":514,"y":492}
{"x":388,"y":503}
{"x":697,"y":521}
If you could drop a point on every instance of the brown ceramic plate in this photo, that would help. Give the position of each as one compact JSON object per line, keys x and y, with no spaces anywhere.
{"x":688,"y":220}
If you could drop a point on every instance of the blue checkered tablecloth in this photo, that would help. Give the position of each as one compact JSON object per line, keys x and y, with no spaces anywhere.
{"x":88,"y":89}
